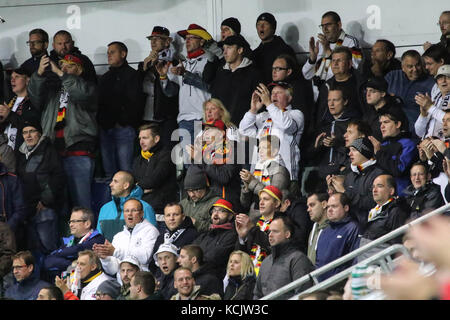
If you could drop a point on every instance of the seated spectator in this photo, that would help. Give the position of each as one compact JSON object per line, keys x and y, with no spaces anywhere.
{"x":154,"y":171}
{"x":407,"y":82}
{"x":317,"y":67}
{"x":429,"y":122}
{"x":179,"y":230}
{"x":317,"y":209}
{"x":241,"y":277}
{"x":41,"y":172}
{"x":82,"y":237}
{"x":111,"y":218}
{"x":382,"y":60}
{"x":184,"y":282}
{"x":68,"y":119}
{"x":397,"y":151}
{"x":339,"y":238}
{"x":422,"y":195}
{"x":358,"y":183}
{"x":108,"y":290}
{"x":329,"y":150}
{"x":218,"y":242}
{"x":444,"y":22}
{"x":279,"y":120}
{"x":253,"y":235}
{"x":27,"y":283}
{"x":377,"y":102}
{"x":127,"y":269}
{"x":143,"y":286}
{"x":285,"y":263}
{"x":191,"y":257}
{"x":271,"y":45}
{"x":50,"y":293}
{"x":166,"y":260}
{"x":19,"y":108}
{"x":199,"y":199}
{"x":269,"y":170}
{"x":137,"y":239}
{"x":390,"y":213}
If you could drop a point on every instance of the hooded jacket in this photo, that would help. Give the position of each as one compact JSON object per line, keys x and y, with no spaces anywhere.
{"x":337,"y":240}
{"x":284,"y":265}
{"x":200,"y":210}
{"x":110,"y":218}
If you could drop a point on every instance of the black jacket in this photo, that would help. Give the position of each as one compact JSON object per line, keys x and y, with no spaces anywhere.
{"x":158,"y":174}
{"x":297,"y":211}
{"x":266,"y":53}
{"x":358,"y":187}
{"x":427,"y":197}
{"x":217,"y":244}
{"x":120,"y":98}
{"x":392,"y":216}
{"x":240,"y":289}
{"x":42,"y":176}
{"x":207,"y":280}
{"x":235,"y":89}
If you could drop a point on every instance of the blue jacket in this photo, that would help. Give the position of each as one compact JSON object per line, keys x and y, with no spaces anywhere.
{"x":396,"y":156}
{"x":27,"y":289}
{"x":61,"y":258}
{"x":110,"y":218}
{"x":335,"y":241}
{"x":401,"y":86}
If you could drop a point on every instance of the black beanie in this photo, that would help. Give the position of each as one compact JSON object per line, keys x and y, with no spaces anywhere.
{"x":266,"y":16}
{"x":364,"y":146}
{"x":195,"y":178}
{"x":233,"y":23}
{"x":32,"y":122}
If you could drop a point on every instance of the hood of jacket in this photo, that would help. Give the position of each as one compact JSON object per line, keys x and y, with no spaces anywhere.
{"x":136,"y":193}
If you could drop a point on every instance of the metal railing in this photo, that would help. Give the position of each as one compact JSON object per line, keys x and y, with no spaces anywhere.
{"x":350,"y":256}
{"x":382,"y":258}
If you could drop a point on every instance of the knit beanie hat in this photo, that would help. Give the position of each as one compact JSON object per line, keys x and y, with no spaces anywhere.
{"x":266,"y":16}
{"x":195,"y":178}
{"x":273,"y":191}
{"x":232,"y":23}
{"x":364,"y":146}
{"x":109,"y":287}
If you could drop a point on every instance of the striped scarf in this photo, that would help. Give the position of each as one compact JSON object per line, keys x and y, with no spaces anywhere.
{"x":374,"y":212}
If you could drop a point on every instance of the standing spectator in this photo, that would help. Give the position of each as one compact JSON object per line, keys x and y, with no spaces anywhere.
{"x":339,"y":238}
{"x":397,"y":151}
{"x":213,"y":110}
{"x":41,"y":172}
{"x":317,"y":209}
{"x":271,"y":45}
{"x":27,"y":283}
{"x":422,"y":195}
{"x":279,"y":120}
{"x":111,"y":219}
{"x":444,"y":25}
{"x":218,"y":242}
{"x":68,"y":119}
{"x":120,"y":106}
{"x":38,"y":43}
{"x":409,"y":81}
{"x":63,"y":44}
{"x":197,"y":204}
{"x":178,"y":230}
{"x":137,"y":239}
{"x":158,"y":107}
{"x":285,"y":263}
{"x":317,"y":67}
{"x":237,"y":78}
{"x":241,"y":277}
{"x":154,"y":171}
{"x":185,"y":79}
{"x":82,"y":237}
{"x":390,"y":213}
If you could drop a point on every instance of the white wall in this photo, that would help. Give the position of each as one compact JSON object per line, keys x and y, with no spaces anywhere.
{"x":94,"y":24}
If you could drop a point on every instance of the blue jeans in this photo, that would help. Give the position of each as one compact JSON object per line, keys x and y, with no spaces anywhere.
{"x":79,"y":173}
{"x":117,"y":149}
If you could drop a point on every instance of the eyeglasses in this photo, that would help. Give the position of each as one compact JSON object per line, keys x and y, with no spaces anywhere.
{"x":26,"y":132}
{"x":19,"y":267}
{"x":216,"y":209}
{"x":33,"y":43}
{"x":278,"y":69}
{"x":326,"y":25}
{"x":75,"y":221}
{"x":100,"y":295}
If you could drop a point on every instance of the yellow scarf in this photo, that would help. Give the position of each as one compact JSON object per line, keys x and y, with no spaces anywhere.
{"x":146,"y":154}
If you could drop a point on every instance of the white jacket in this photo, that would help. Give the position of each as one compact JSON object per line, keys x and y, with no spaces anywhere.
{"x":431,"y":125}
{"x":139,"y":243}
{"x":88,"y":292}
{"x":190,"y":98}
{"x":286,"y":125}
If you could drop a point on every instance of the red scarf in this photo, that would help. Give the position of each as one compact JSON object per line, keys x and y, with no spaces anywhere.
{"x":226,"y":226}
{"x":196,"y":53}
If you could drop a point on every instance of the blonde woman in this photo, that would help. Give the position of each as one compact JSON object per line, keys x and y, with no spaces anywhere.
{"x":241,"y":277}
{"x":213,"y":109}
